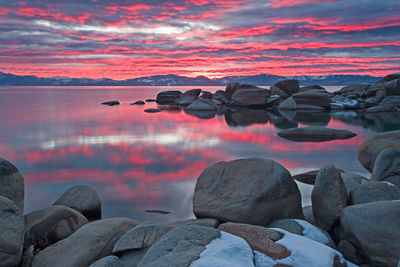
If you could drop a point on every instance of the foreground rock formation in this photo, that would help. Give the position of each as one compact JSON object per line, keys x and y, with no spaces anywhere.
{"x":249,"y":214}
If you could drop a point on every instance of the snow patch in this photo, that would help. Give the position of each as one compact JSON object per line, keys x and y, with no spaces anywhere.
{"x":312,"y":232}
{"x":304,"y":252}
{"x":390,"y":184}
{"x":227,"y":250}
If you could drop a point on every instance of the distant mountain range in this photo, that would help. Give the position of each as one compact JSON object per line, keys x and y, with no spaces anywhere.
{"x":175,"y":80}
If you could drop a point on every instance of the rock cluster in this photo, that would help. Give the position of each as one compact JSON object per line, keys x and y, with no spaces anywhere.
{"x":248,"y":214}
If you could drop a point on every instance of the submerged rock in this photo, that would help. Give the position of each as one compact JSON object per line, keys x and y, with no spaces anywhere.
{"x":82,"y":198}
{"x":315,"y":134}
{"x":139,"y":102}
{"x":152,"y":110}
{"x":254,"y":191}
{"x":111,"y":103}
{"x":11,"y":183}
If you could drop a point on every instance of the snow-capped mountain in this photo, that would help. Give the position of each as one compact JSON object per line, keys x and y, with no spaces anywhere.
{"x":176,"y":80}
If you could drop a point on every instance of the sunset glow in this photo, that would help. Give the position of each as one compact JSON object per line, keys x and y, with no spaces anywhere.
{"x":123,"y":39}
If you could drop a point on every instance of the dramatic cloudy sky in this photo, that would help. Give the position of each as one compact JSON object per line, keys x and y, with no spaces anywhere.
{"x":122,"y":39}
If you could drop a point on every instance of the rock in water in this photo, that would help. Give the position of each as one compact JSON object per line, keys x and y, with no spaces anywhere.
{"x":374,"y":230}
{"x":11,"y":183}
{"x":373,"y":191}
{"x":82,"y":198}
{"x":202,"y":104}
{"x":329,"y":197}
{"x":198,"y":246}
{"x":387,"y":167}
{"x":315,"y":134}
{"x":251,"y":98}
{"x":139,"y":102}
{"x":372,"y":146}
{"x":253,"y":190}
{"x":11,"y":233}
{"x":290,"y":87}
{"x":152,"y":110}
{"x":47,"y":226}
{"x":88,"y":244}
{"x":111,"y":103}
{"x":168,"y":97}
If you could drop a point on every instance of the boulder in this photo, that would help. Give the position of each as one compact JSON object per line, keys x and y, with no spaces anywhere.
{"x":139,"y":102}
{"x":352,"y":180}
{"x":371,"y":101}
{"x":303,"y":252}
{"x":391,"y":101}
{"x":373,"y":191}
{"x":11,"y":233}
{"x":276,"y":91}
{"x":168,"y":97}
{"x":47,"y":226}
{"x":219,"y":96}
{"x":308,"y":214}
{"x":383,"y":89}
{"x":389,"y":78}
{"x":259,"y":238}
{"x":315,"y":134}
{"x":198,"y":246}
{"x":377,"y":109}
{"x":82,"y":198}
{"x":111,"y":103}
{"x":374,"y":230}
{"x":202,"y":104}
{"x":27,"y":257}
{"x":231,"y":88}
{"x":387,"y":166}
{"x":290,"y":87}
{"x":189,"y":97}
{"x":11,"y":183}
{"x":109,"y":261}
{"x":359,"y":88}
{"x":329,"y":197}
{"x":88,"y":244}
{"x":313,"y":88}
{"x":206,"y":95}
{"x":251,"y":98}
{"x":372,"y":146}
{"x":304,"y":228}
{"x":288,"y":104}
{"x":253,"y":190}
{"x":313,"y":98}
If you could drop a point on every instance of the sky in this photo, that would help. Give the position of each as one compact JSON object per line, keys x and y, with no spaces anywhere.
{"x":122,"y":39}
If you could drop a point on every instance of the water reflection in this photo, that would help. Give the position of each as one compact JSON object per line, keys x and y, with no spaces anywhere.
{"x":59,"y":137}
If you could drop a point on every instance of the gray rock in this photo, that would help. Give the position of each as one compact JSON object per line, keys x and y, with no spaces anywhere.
{"x":288,"y":104}
{"x":11,"y":183}
{"x":276,"y":91}
{"x":220,"y":96}
{"x":373,"y":191}
{"x":111,"y":103}
{"x":180,"y":247}
{"x":88,"y":244}
{"x":202,"y":104}
{"x":391,"y":101}
{"x":304,"y":228}
{"x":188,"y":97}
{"x":82,"y":198}
{"x":389,"y":78}
{"x":374,"y":230}
{"x":168,"y":97}
{"x":254,"y":191}
{"x":377,"y":109}
{"x":352,"y":180}
{"x":371,"y":101}
{"x":372,"y":146}
{"x":202,"y":114}
{"x":231,"y":88}
{"x":313,"y":98}
{"x":27,"y":257}
{"x":11,"y":233}
{"x":290,"y":87}
{"x":251,"y":98}
{"x":384,"y":89}
{"x":360,"y":88}
{"x":315,"y":134}
{"x":109,"y":261}
{"x":329,"y":197}
{"x":387,"y":167}
{"x":349,"y":252}
{"x":206,"y":95}
{"x":47,"y":226}
{"x":152,"y":110}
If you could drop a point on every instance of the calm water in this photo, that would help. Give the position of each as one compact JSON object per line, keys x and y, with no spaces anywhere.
{"x":59,"y":137}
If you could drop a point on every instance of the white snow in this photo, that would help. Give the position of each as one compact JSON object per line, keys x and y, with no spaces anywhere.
{"x":227,"y":250}
{"x":304,"y":252}
{"x":312,"y":232}
{"x":390,"y":184}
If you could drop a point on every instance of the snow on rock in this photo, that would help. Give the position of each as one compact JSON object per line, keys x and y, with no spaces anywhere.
{"x":312,"y":232}
{"x":304,"y":253}
{"x":227,"y":250}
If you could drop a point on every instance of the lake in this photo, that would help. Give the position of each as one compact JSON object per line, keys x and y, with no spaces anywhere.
{"x":62,"y":136}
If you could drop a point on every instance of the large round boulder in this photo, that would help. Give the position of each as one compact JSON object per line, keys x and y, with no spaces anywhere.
{"x":11,"y":233}
{"x":88,"y":244}
{"x":253,"y":190}
{"x":373,"y":191}
{"x":387,"y":167}
{"x":251,"y":97}
{"x":290,"y":87}
{"x":198,"y":246}
{"x":233,"y":87}
{"x":168,"y":97}
{"x":49,"y":225}
{"x":374,"y":230}
{"x":372,"y":146}
{"x":82,"y":198}
{"x":11,"y":183}
{"x":329,"y":197}
{"x":313,"y":98}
